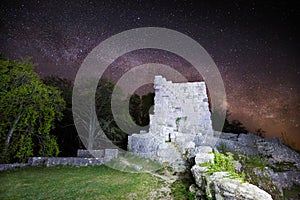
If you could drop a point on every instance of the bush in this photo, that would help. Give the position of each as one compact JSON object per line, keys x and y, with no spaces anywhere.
{"x":223,"y":163}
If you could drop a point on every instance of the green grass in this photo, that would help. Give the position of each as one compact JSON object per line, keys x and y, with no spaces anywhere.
{"x":292,"y":193}
{"x":180,"y":190}
{"x":128,"y":162}
{"x":68,"y":182}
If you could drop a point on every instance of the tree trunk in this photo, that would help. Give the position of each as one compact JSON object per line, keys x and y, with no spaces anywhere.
{"x":10,"y":133}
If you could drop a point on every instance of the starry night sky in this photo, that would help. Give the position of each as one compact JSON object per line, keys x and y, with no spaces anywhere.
{"x":254,"y":44}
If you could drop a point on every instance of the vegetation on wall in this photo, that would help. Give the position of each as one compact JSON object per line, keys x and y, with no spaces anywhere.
{"x":223,"y":163}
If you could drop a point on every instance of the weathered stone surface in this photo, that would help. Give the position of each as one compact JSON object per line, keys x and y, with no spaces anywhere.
{"x":279,"y":155}
{"x":110,"y":153}
{"x":203,"y":158}
{"x":37,"y":161}
{"x":204,"y":149}
{"x":248,"y":139}
{"x":285,"y":179}
{"x":220,"y":186}
{"x":266,"y":179}
{"x":236,"y":146}
{"x":199,"y":175}
{"x":180,"y":122}
{"x":52,"y":161}
{"x":275,"y":140}
{"x":4,"y":167}
{"x":229,"y":136}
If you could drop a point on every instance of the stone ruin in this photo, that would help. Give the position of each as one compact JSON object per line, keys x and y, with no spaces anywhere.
{"x":181,"y":133}
{"x":180,"y":121}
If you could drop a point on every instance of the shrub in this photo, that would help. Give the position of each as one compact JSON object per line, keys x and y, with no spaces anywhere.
{"x":223,"y":163}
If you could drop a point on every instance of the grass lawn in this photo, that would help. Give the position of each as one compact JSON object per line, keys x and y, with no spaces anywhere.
{"x":91,"y":182}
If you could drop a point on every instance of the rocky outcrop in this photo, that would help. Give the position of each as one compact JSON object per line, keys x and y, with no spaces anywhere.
{"x":282,"y":164}
{"x":219,"y":185}
{"x":280,"y":157}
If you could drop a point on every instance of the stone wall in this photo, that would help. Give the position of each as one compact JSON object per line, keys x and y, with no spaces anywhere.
{"x":4,"y":167}
{"x":84,"y":158}
{"x":181,"y":119}
{"x":180,"y":107}
{"x":75,"y":161}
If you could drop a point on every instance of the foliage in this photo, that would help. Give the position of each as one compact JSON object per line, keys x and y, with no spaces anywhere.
{"x":180,"y":189}
{"x":178,"y":119}
{"x":252,"y":163}
{"x":28,"y":110}
{"x":139,"y":108}
{"x":184,"y":154}
{"x":223,"y":163}
{"x":88,"y":114}
{"x":105,"y":116}
{"x":251,"y":160}
{"x":222,"y":147}
{"x":292,"y":193}
{"x":235,"y":126}
{"x":65,"y":130}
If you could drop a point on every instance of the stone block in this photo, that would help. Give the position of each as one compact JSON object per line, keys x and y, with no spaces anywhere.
{"x":203,"y":158}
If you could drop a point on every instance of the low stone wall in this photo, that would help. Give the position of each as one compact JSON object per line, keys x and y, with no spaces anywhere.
{"x":12,"y":166}
{"x":52,"y":161}
{"x":84,"y":158}
{"x":102,"y":153}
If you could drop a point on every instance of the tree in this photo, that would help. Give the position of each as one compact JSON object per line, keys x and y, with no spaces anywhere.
{"x":90,"y":117}
{"x":139,"y":107}
{"x":65,"y":130}
{"x":28,"y":110}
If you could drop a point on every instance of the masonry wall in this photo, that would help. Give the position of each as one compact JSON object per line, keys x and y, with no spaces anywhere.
{"x":180,"y":107}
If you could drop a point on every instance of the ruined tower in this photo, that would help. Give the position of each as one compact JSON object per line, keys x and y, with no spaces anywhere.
{"x":181,"y":120}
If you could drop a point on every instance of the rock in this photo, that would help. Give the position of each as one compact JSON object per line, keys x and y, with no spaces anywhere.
{"x":199,"y":175}
{"x":204,"y":149}
{"x":237,"y":166}
{"x":229,"y":136}
{"x":280,"y":157}
{"x":203,"y":158}
{"x":248,"y":139}
{"x":193,"y":188}
{"x":221,"y":186}
{"x":235,"y":147}
{"x":275,"y":140}
{"x":286,"y":179}
{"x":228,"y":188}
{"x":266,"y":179}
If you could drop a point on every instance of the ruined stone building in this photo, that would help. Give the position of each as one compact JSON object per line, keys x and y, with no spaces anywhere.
{"x":181,"y":118}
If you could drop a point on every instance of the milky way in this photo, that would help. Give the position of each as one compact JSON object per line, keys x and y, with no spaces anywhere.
{"x":255,"y":46}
